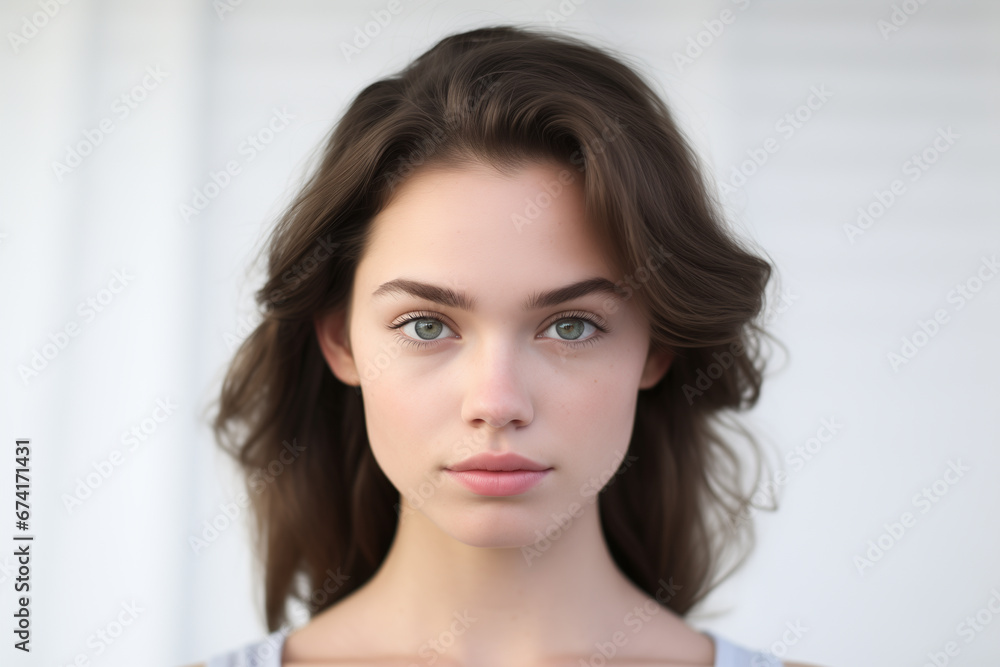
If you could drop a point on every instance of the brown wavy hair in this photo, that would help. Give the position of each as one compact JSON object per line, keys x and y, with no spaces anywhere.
{"x":504,"y":96}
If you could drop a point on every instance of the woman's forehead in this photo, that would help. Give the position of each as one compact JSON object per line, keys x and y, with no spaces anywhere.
{"x":478,"y":216}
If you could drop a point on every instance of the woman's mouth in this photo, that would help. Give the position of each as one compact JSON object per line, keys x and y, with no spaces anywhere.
{"x":498,"y":482}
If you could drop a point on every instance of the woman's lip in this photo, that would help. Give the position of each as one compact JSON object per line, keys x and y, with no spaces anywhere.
{"x":504,"y":461}
{"x":498,"y":482}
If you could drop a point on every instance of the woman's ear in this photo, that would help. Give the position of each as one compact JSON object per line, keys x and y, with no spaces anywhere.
{"x":334,"y":342}
{"x":657,"y":363}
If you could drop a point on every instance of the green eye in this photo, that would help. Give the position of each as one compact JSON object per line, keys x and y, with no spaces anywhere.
{"x":427,"y":329}
{"x":424,"y":328}
{"x":578,"y":328}
{"x":571,"y":329}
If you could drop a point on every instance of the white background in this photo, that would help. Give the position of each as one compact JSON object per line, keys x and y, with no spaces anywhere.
{"x":168,"y":334}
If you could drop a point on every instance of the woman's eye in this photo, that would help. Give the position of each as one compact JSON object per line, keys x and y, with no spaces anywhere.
{"x":425,"y":328}
{"x":572,"y":329}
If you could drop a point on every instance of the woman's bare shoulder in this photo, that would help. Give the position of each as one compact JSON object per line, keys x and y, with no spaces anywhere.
{"x":201,"y":664}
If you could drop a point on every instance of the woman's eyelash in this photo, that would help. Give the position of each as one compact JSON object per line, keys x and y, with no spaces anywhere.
{"x":599,"y":323}
{"x":410,"y":317}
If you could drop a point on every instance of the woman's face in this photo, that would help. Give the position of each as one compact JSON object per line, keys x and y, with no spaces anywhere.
{"x":455,"y":359}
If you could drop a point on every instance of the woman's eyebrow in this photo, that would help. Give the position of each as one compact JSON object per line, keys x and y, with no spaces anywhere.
{"x":458,"y":299}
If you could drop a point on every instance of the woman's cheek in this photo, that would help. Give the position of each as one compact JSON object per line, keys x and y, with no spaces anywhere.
{"x":602,"y":418}
{"x":404,"y":421}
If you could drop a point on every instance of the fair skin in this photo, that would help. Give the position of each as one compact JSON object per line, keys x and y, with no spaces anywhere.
{"x":468,"y":579}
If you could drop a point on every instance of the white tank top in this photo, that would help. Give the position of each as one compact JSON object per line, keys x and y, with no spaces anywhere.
{"x":267,"y":653}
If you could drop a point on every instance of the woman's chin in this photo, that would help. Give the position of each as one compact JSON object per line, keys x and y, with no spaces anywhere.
{"x":494,"y":530}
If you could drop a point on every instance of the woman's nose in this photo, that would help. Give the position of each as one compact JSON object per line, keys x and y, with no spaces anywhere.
{"x":497,"y":386}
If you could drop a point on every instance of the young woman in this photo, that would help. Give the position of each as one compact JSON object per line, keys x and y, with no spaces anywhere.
{"x":479,"y":421}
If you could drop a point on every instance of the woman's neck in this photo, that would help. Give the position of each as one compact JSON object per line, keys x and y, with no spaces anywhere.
{"x":461,"y":604}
